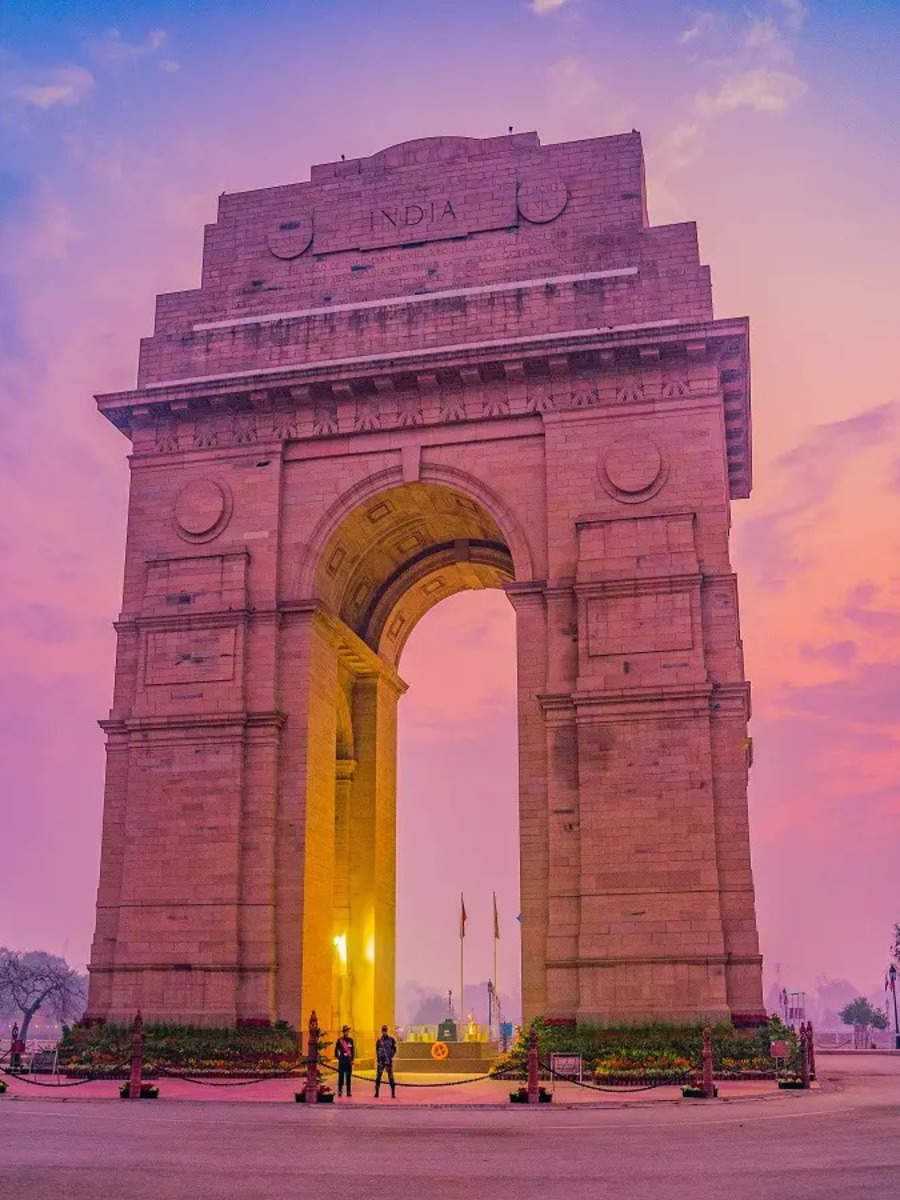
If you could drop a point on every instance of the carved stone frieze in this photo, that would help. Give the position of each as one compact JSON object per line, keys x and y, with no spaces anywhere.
{"x":296,"y":412}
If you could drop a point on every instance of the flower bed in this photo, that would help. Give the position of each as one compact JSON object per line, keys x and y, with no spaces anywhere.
{"x":649,"y":1054}
{"x":216,"y":1053}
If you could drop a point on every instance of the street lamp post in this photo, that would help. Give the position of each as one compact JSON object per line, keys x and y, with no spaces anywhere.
{"x":892,"y":975}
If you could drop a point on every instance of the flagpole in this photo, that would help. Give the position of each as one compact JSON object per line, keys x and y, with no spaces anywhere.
{"x":496,"y":993}
{"x":462,"y":934}
{"x":496,"y":989}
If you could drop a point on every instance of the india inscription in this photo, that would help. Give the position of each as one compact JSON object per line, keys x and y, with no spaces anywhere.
{"x":457,"y":363}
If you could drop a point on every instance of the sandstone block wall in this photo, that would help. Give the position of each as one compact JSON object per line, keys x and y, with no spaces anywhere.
{"x":459,"y":363}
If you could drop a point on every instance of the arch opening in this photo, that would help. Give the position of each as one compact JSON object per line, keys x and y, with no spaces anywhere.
{"x":457,"y":813}
{"x":391,"y":559}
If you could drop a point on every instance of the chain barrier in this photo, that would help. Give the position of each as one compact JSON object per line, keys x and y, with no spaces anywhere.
{"x":616,"y":1090}
{"x":385,"y":1082}
{"x":161,"y":1070}
{"x":22,"y":1078}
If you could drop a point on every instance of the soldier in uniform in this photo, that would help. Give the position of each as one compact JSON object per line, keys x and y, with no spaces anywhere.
{"x":385,"y":1049}
{"x":346,"y":1052}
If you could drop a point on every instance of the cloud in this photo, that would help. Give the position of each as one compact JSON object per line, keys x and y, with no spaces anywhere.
{"x":860,"y":612}
{"x":702,"y":20}
{"x":112,"y":50}
{"x":764,"y":36}
{"x":762,"y":89}
{"x":571,"y":82}
{"x":815,"y":463}
{"x":747,"y":55}
{"x":805,"y":478}
{"x":47,"y":236}
{"x":766,"y":547}
{"x":544,"y":6}
{"x":169,"y":65}
{"x":870,"y":697}
{"x":836,"y":654}
{"x":44,"y":89}
{"x":681,"y":144}
{"x":795,"y":13}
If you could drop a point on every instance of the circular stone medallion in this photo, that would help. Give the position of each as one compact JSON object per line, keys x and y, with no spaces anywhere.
{"x":542,"y":200}
{"x":633,"y":469}
{"x":291,"y":238}
{"x":201,"y":509}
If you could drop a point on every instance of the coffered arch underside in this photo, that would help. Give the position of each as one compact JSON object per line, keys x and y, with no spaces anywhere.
{"x":402,"y":549}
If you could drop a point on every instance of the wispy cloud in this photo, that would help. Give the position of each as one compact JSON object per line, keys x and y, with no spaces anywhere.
{"x":112,"y":50}
{"x":744,"y":57}
{"x":761,"y":89}
{"x":763,"y":35}
{"x":681,"y":143}
{"x":46,"y":88}
{"x":542,"y":7}
{"x":795,"y":12}
{"x":836,"y":654}
{"x":815,"y":463}
{"x":701,"y":21}
{"x":805,"y":479}
{"x":572,"y":82}
{"x":860,"y":611}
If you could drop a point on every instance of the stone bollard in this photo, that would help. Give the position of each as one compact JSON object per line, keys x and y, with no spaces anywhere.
{"x":533,"y":1085}
{"x":706,"y":1059}
{"x":810,"y":1045}
{"x":311,"y":1088}
{"x":137,"y":1057}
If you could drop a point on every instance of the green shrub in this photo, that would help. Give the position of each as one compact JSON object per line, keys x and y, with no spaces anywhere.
{"x":650,"y":1050}
{"x":85,"y":1048}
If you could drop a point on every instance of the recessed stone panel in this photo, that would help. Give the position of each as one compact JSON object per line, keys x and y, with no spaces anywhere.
{"x":189,"y":656}
{"x":639,"y":624}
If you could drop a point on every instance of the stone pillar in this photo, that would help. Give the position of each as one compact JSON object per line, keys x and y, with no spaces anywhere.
{"x":372,"y":840}
{"x":531,"y":649}
{"x":341,"y":1010}
{"x":651,"y":940}
{"x":304,"y":870}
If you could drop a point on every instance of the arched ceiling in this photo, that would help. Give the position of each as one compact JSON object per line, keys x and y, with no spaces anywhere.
{"x":401,"y":552}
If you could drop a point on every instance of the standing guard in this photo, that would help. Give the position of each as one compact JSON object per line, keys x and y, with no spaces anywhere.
{"x":385,"y":1049}
{"x":346,"y":1052}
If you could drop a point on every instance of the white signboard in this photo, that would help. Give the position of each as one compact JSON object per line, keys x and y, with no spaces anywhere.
{"x":566,"y":1066}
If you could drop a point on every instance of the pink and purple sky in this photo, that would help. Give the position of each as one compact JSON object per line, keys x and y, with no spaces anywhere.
{"x":774,"y":124}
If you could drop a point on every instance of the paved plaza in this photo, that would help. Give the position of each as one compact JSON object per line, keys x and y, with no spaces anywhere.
{"x":838,"y":1141}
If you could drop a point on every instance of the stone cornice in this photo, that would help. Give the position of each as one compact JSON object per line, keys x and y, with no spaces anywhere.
{"x":642,"y":585}
{"x":630,"y":366}
{"x":643,"y":704}
{"x":696,"y":960}
{"x":235,"y":722}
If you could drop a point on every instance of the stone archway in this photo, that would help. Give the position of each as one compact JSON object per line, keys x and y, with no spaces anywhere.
{"x":384,"y":563}
{"x":460,"y":363}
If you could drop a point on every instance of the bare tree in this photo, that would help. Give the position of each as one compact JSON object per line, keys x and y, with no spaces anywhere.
{"x":34,"y":980}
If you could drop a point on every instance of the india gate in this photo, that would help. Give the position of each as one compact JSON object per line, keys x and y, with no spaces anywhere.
{"x":458,"y":363}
